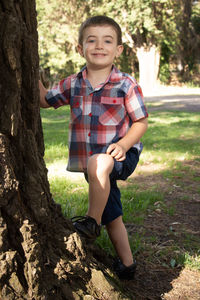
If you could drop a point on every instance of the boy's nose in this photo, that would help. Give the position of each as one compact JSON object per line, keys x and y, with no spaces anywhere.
{"x":99,"y":45}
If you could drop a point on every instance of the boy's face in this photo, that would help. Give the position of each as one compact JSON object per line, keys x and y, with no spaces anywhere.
{"x":100,"y":46}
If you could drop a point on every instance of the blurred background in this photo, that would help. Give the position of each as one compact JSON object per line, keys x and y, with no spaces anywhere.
{"x":161,"y":38}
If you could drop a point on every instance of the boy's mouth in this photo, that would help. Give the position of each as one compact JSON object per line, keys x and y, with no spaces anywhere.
{"x":99,"y":54}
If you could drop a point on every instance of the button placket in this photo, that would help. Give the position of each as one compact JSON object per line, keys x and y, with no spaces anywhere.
{"x":89,"y":132}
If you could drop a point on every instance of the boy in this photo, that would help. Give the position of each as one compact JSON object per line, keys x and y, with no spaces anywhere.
{"x":108,"y":118}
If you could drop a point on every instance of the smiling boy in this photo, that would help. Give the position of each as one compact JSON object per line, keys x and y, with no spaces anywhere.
{"x":108,"y":119}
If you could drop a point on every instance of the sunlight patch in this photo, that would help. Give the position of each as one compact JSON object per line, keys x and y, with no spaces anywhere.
{"x":149,"y":168}
{"x":58,"y":170}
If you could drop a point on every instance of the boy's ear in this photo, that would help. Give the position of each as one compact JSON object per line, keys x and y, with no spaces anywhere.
{"x":80,"y":50}
{"x":120,"y":49}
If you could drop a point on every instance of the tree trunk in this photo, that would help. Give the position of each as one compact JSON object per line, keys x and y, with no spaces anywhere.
{"x":149,"y":61}
{"x":187,"y":40}
{"x":41,"y":257}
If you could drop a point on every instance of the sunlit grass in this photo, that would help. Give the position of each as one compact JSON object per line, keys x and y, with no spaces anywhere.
{"x":171,"y":137}
{"x":72,"y":195}
{"x":192,"y":261}
{"x":55,"y":127}
{"x":56,"y":153}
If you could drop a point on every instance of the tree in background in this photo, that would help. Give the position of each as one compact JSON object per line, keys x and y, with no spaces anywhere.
{"x":147,"y":25}
{"x":156,"y":33}
{"x":189,"y":33}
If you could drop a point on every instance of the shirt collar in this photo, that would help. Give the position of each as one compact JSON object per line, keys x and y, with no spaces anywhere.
{"x":82,"y":73}
{"x":114,"y":77}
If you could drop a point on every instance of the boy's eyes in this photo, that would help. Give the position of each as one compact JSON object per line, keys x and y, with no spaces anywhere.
{"x":106,"y":41}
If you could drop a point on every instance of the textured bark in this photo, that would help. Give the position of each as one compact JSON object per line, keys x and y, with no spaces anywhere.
{"x":40,"y":255}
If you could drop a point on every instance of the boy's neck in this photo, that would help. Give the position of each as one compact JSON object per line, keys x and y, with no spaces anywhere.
{"x":98,"y":76}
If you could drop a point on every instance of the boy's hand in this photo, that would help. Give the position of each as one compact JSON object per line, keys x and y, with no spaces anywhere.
{"x":43,"y":92}
{"x":117,"y":152}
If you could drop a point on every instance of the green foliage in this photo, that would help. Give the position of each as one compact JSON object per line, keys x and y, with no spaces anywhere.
{"x":57,"y":29}
{"x":195,"y":18}
{"x":166,"y":51}
{"x":147,"y":22}
{"x":164,"y":74}
{"x":144,"y":23}
{"x":127,"y":62}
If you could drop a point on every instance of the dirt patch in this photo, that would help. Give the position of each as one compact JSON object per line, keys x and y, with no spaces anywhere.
{"x":171,"y":230}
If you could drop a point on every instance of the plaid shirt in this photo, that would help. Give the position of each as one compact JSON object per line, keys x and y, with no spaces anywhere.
{"x":100,"y":116}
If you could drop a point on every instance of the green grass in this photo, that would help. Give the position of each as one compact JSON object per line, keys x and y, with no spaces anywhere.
{"x":172,"y":134}
{"x":191,"y":261}
{"x":71,"y":195}
{"x":55,"y":127}
{"x":172,"y":138}
{"x":135,"y":204}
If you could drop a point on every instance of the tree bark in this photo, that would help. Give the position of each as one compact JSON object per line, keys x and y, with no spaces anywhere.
{"x":41,"y":257}
{"x":149,"y":61}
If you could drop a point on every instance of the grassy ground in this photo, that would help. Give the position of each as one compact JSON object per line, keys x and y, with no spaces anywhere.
{"x":158,"y":200}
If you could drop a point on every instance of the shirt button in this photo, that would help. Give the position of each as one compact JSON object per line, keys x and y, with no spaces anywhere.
{"x":90,"y":114}
{"x":90,"y":153}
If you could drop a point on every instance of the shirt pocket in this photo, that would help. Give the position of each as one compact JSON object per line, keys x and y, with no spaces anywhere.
{"x":76,"y":108}
{"x":112,"y":111}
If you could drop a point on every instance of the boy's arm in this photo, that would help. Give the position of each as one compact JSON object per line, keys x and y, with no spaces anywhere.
{"x":43,"y":92}
{"x":118,"y":150}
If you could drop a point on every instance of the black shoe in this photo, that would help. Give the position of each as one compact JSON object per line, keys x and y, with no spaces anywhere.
{"x":123,"y":272}
{"x":86,"y":226}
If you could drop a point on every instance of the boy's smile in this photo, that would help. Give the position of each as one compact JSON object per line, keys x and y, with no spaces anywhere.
{"x":100,"y":46}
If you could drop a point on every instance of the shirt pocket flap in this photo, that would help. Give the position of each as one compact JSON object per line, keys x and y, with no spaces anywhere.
{"x":112,"y":101}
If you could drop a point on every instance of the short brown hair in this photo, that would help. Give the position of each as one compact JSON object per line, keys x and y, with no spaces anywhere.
{"x":100,"y":20}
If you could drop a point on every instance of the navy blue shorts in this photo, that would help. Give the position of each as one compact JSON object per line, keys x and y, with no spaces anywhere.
{"x":121,"y":171}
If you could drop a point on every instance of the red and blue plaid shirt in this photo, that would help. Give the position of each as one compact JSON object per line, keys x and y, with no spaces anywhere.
{"x":100,"y":116}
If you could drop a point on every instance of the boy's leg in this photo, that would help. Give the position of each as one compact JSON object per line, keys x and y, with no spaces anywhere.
{"x":99,"y":168}
{"x":119,"y":238}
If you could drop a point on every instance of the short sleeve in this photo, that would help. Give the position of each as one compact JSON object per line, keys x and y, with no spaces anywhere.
{"x":60,"y":94}
{"x":134,"y":102}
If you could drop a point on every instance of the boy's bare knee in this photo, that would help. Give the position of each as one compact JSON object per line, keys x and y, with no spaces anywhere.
{"x":100,"y":164}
